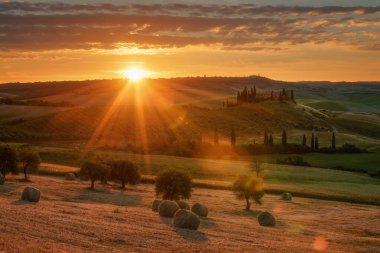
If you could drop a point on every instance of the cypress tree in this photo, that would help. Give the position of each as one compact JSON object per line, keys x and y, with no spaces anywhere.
{"x":333,"y":141}
{"x":304,"y":140}
{"x":233,"y":137}
{"x":266,"y":139}
{"x":292,"y":96}
{"x":270,"y":140}
{"x":312,"y":141}
{"x":316,"y":144}
{"x":254,"y":92}
{"x":244,"y":95}
{"x":238,"y":98}
{"x":284,"y":138}
{"x":216,"y":136}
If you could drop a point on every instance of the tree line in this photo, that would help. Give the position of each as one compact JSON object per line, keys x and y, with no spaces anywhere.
{"x":250,"y":95}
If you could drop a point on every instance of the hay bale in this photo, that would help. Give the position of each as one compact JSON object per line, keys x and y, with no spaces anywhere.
{"x":200,"y":209}
{"x":183,"y":205}
{"x":266,"y":219}
{"x":167,"y":208}
{"x":155,"y":204}
{"x":286,"y":196}
{"x":186,"y":219}
{"x":70,"y":176}
{"x":2,"y":179}
{"x":31,"y":194}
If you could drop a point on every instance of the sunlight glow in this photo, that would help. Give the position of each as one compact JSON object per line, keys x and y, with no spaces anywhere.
{"x":135,"y":74}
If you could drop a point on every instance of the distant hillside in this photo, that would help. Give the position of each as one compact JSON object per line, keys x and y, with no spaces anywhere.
{"x":159,"y":112}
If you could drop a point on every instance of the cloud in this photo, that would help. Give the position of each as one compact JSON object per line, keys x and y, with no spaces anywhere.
{"x":42,"y":26}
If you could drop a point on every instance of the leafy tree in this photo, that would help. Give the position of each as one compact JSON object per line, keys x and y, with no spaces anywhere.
{"x":174,"y":185}
{"x":333,"y":140}
{"x":94,"y":170}
{"x":284,"y":138}
{"x":249,"y":187}
{"x":216,"y":136}
{"x":312,"y":141}
{"x":304,"y":140}
{"x":233,"y":137}
{"x":271,"y":95}
{"x":124,"y":171}
{"x":30,"y":161}
{"x":8,"y":160}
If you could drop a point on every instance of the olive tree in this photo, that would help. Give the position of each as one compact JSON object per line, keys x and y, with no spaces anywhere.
{"x":30,"y":161}
{"x":94,"y":171}
{"x":8,"y":160}
{"x":174,"y":185}
{"x":248,"y":187}
{"x":124,"y":171}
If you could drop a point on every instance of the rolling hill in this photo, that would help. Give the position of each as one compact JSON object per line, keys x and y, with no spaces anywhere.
{"x":113,"y":113}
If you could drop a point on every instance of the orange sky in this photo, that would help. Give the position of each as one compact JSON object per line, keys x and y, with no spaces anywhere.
{"x":75,"y":42}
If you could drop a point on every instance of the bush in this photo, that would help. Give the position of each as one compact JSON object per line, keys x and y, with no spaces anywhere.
{"x":124,"y":171}
{"x":174,"y":185}
{"x":8,"y":160}
{"x":30,"y":161}
{"x":247,"y":187}
{"x":94,"y":171}
{"x":375,"y":174}
{"x":293,"y":160}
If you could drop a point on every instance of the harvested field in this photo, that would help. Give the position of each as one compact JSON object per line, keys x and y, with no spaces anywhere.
{"x":70,"y":217}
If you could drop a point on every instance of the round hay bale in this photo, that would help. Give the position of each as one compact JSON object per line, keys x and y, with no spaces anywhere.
{"x":183,"y":205}
{"x":167,"y":208}
{"x":70,"y":176}
{"x":31,"y":194}
{"x":2,"y":179}
{"x":266,"y":219}
{"x":286,"y":196}
{"x":155,"y":204}
{"x":186,"y":219}
{"x":200,"y":209}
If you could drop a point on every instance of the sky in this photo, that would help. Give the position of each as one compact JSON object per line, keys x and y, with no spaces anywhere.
{"x":334,"y":40}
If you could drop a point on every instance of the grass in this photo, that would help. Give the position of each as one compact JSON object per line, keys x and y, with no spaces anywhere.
{"x":364,"y":128}
{"x":302,"y":181}
{"x":324,"y":104}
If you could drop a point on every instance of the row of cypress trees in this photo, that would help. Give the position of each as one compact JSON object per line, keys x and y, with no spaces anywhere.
{"x":250,"y":95}
{"x":268,"y":139}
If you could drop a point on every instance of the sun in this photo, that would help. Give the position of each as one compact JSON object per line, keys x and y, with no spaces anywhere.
{"x":135,"y":74}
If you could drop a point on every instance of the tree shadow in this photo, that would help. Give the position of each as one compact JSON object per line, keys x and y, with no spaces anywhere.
{"x":8,"y":187}
{"x":106,"y":196}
